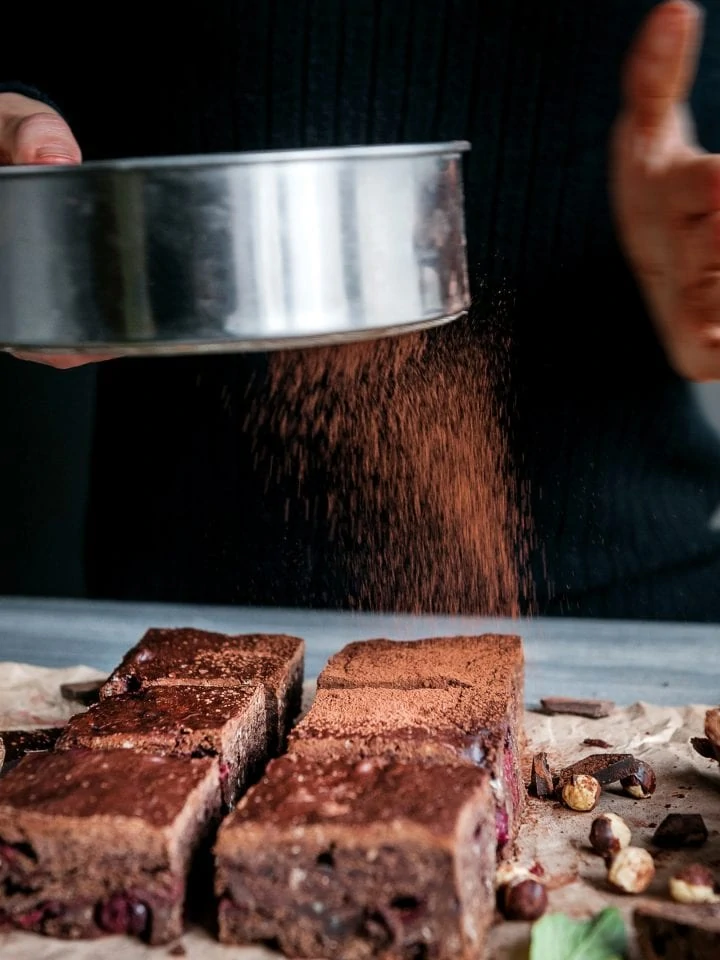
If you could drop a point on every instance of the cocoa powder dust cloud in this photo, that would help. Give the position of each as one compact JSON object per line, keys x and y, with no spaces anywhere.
{"x":411,"y":434}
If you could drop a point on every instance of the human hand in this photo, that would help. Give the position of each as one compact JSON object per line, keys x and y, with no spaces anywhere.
{"x":666,"y":191}
{"x":33,"y":133}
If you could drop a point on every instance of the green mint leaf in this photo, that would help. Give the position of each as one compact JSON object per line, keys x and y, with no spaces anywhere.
{"x":558,"y":937}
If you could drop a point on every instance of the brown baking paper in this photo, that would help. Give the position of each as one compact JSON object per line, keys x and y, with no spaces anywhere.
{"x":552,"y":837}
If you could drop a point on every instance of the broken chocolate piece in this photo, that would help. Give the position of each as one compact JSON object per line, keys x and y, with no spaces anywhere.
{"x":605,"y":767}
{"x":593,"y":709}
{"x":666,"y":930}
{"x":541,"y":780}
{"x":86,"y":693}
{"x":16,"y":743}
{"x":704,"y":747}
{"x":592,"y":742}
{"x":680,"y":830}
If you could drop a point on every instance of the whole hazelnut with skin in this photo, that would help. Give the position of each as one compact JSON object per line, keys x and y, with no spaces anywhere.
{"x":641,"y":784}
{"x":609,"y":834}
{"x":693,"y":884}
{"x":631,"y":870}
{"x":581,"y":793}
{"x":524,"y":900}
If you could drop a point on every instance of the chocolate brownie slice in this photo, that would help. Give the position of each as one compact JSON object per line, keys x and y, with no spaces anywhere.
{"x":488,"y":669}
{"x":98,"y":842}
{"x":181,"y":657}
{"x":227,"y":723}
{"x":352,"y":861}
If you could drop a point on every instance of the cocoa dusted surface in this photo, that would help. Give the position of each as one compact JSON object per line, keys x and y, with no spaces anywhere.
{"x":163,"y":714}
{"x":299,"y":792}
{"x":483,"y":662}
{"x":84,"y":783}
{"x":167,"y":656}
{"x":452,"y":714}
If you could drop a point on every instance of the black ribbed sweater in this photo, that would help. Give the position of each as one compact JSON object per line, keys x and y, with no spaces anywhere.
{"x":623,"y":471}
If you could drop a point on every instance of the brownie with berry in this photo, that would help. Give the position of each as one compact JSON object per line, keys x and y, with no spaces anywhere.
{"x":378,"y":858}
{"x":189,"y":657}
{"x":224,"y":722}
{"x":100,"y":842}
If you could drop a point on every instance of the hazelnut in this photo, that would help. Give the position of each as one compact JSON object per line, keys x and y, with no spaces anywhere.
{"x":609,"y":834}
{"x":631,"y":870}
{"x":641,"y":784}
{"x":524,"y":900}
{"x":693,"y":884}
{"x":581,"y":793}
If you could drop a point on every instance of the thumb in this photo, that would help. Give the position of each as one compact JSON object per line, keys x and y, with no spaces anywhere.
{"x":41,"y":137}
{"x":661,"y":67}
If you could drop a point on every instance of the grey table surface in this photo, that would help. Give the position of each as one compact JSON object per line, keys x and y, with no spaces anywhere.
{"x":671,"y":664}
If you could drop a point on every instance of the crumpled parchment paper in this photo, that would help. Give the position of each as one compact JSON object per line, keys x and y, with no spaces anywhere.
{"x":551,"y":836}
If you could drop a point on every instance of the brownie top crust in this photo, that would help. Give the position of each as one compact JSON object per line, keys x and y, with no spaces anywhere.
{"x":346,"y":714}
{"x":163,"y":712}
{"x":199,"y":656}
{"x":111,"y":784}
{"x":482,"y":661}
{"x":297,"y":792}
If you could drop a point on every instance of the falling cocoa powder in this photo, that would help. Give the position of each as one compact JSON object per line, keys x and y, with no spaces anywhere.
{"x":411,"y":433}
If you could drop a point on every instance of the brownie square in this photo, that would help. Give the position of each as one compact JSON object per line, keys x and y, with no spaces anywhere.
{"x":227,"y":723}
{"x":95,"y":842}
{"x":443,"y":726}
{"x":351,"y":861}
{"x":181,"y":657}
{"x":14,"y":744}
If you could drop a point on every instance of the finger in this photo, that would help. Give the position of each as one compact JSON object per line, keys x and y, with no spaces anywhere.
{"x":692,"y":187}
{"x":41,"y":138}
{"x":696,"y":253}
{"x":62,"y":361}
{"x":661,"y":65}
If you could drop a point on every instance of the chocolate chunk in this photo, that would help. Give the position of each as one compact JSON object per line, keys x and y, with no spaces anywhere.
{"x":605,"y":767}
{"x":177,"y":951}
{"x":594,"y":709}
{"x":704,"y":747}
{"x":592,"y":742}
{"x":667,"y":930}
{"x":541,"y":780}
{"x":85,"y":693}
{"x":17,"y":743}
{"x":680,"y":830}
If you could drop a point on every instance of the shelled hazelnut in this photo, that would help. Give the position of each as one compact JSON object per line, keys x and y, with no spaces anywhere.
{"x":631,"y":870}
{"x":641,"y":784}
{"x":693,"y":884}
{"x":609,"y":834}
{"x":581,"y":793}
